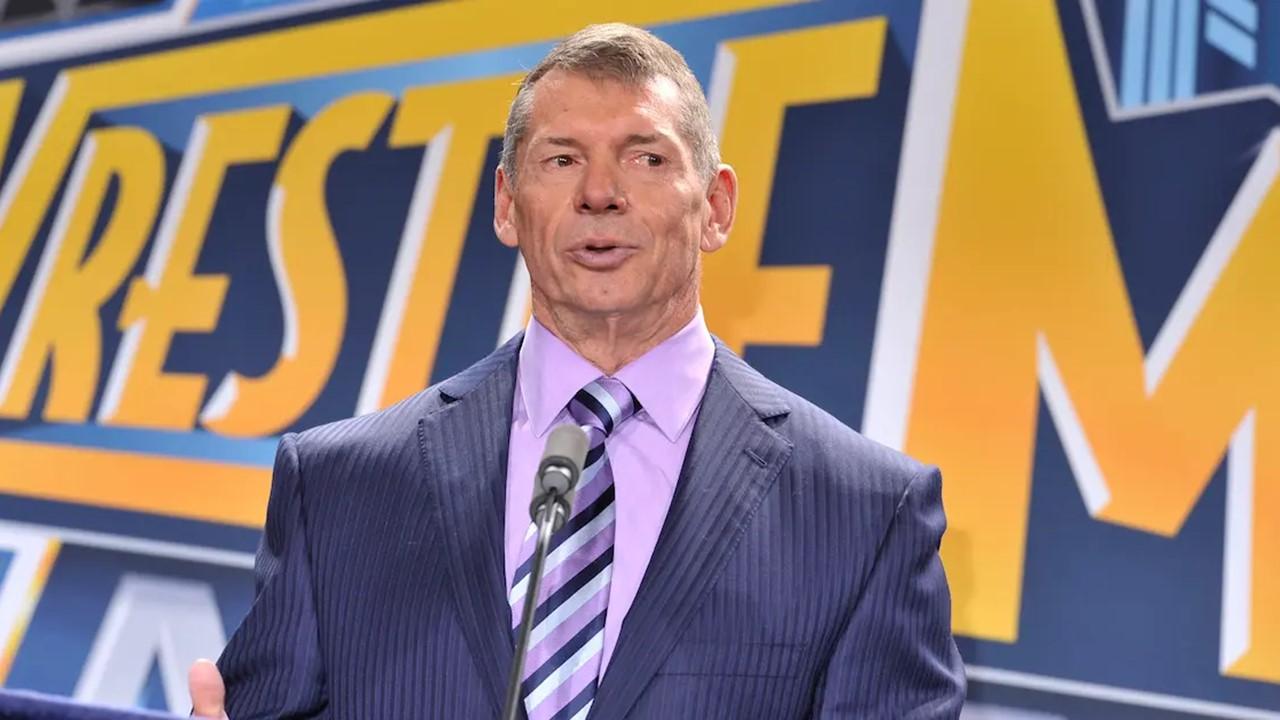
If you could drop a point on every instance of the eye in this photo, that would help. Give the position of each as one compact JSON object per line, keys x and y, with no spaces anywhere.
{"x":560,"y":161}
{"x":653,"y":160}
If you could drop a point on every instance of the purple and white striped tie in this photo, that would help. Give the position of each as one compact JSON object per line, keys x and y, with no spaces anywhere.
{"x":565,"y":647}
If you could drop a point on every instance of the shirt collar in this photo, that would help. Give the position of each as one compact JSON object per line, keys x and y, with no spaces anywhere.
{"x":668,"y":379}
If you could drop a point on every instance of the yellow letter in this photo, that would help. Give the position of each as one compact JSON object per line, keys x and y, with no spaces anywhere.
{"x":60,"y":317}
{"x":754,"y":82}
{"x":457,"y":122}
{"x":10,"y":95}
{"x":1026,"y":292}
{"x":309,"y":275}
{"x":171,"y":298}
{"x":12,"y":253}
{"x":414,"y":33}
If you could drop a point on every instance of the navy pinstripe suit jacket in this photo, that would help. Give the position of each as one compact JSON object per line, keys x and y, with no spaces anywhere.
{"x":796,"y":576}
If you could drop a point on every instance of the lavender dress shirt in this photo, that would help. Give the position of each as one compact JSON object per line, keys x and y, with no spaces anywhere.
{"x":646,"y":452}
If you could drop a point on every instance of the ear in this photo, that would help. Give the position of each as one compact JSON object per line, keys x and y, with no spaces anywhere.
{"x":504,"y":225}
{"x":722,"y":199}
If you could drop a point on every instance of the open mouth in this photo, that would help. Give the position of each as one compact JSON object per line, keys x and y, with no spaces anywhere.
{"x":602,"y":255}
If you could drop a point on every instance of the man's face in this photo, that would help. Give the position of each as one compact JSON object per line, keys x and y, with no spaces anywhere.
{"x":608,"y":209}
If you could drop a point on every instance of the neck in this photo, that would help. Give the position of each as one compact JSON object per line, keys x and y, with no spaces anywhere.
{"x":611,"y":340}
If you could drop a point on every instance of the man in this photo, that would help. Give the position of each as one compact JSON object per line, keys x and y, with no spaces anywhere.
{"x":734,"y":552}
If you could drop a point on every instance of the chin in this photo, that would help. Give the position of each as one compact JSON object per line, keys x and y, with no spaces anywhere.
{"x":603,"y":306}
{"x":605,"y":310}
{"x":596,"y":300}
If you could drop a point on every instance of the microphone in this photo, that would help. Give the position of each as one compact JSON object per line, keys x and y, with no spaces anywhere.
{"x":553,"y":487}
{"x":558,"y":473}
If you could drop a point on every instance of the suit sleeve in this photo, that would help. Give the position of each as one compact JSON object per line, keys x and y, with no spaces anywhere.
{"x":272,"y":665}
{"x":896,"y":657}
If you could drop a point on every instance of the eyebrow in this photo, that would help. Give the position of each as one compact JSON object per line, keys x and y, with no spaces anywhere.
{"x":649,"y":139}
{"x":630,"y":141}
{"x":562,"y":142}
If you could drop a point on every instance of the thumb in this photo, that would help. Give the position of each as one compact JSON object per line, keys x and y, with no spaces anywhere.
{"x":207,"y":691}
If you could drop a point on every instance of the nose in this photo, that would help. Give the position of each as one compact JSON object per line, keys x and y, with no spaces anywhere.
{"x":600,"y":191}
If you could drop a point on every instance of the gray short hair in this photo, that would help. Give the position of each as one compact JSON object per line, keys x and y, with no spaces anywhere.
{"x":630,"y":55}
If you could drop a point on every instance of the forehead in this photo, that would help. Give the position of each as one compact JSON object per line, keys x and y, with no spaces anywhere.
{"x":574,"y":104}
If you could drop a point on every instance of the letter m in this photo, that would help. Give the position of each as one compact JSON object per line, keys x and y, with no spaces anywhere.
{"x":1025,"y":292}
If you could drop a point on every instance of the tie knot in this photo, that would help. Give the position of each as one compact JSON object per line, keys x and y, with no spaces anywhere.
{"x":603,"y":404}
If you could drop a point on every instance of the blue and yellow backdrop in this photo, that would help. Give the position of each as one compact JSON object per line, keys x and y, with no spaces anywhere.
{"x":1034,"y":242}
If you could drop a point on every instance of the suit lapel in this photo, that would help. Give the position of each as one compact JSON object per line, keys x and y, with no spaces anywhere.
{"x":733,"y":459}
{"x":464,"y":448}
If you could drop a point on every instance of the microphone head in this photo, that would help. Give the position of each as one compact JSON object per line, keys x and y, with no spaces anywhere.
{"x":561,"y":465}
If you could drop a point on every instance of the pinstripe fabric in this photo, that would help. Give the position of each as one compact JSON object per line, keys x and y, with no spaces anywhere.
{"x":796,"y":576}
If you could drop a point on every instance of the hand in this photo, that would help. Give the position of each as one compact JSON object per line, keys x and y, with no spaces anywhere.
{"x":207,"y":691}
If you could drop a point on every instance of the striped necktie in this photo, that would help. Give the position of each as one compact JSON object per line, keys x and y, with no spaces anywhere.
{"x":562,"y":667}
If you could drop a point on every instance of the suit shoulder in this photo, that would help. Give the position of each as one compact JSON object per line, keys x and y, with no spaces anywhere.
{"x":399,"y":421}
{"x":833,"y":443}
{"x":833,"y":460}
{"x":378,"y":431}
{"x":825,"y":450}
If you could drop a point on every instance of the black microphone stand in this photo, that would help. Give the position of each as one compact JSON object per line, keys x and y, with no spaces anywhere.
{"x":551,"y":511}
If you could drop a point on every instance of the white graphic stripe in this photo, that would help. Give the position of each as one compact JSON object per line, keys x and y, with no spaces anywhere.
{"x":904,"y":289}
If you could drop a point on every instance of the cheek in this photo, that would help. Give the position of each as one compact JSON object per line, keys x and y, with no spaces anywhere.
{"x":537,"y":229}
{"x":679,"y":251}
